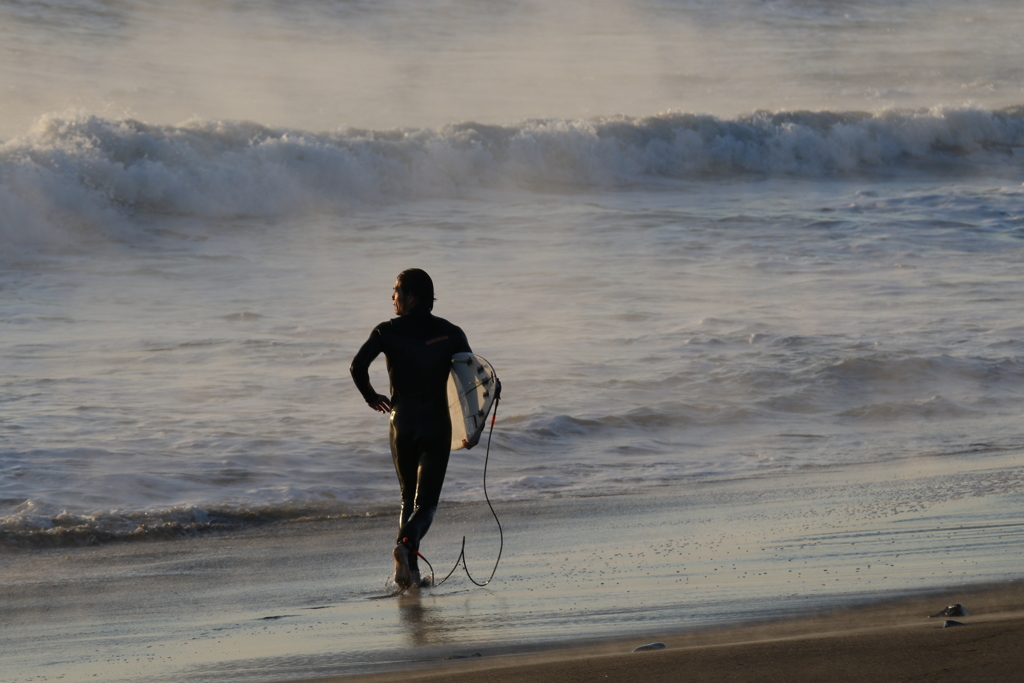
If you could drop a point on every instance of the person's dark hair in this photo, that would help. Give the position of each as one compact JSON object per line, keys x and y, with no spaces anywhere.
{"x":417,"y":283}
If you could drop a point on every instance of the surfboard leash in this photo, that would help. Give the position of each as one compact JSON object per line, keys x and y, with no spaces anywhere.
{"x":501,"y":534}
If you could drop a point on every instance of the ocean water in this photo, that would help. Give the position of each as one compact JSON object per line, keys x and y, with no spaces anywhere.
{"x":698,"y":241}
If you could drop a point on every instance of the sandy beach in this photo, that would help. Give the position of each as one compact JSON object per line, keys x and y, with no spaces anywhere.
{"x":833,"y":571}
{"x":890,"y":641}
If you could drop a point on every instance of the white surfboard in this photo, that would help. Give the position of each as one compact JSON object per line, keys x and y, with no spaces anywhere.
{"x":472,"y":388}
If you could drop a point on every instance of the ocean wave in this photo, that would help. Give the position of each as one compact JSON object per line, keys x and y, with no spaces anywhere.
{"x":33,"y":525}
{"x":868,"y":387}
{"x":895,"y":387}
{"x":83,"y":168}
{"x":932,"y":408}
{"x":901,"y":373}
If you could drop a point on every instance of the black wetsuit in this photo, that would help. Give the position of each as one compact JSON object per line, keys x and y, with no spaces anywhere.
{"x":419,"y":349}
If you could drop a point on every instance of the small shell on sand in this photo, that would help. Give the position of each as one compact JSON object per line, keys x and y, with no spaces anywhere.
{"x":950,"y":622}
{"x":956,"y":610}
{"x":650,"y":646}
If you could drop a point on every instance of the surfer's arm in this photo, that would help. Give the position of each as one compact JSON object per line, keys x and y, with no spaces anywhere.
{"x":459,"y":342}
{"x":360,"y":370}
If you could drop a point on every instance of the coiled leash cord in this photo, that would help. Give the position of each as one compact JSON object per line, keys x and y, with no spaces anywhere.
{"x":501,"y":534}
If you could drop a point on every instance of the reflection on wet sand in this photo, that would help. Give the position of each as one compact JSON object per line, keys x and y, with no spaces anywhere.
{"x":451,"y":618}
{"x":425,"y":624}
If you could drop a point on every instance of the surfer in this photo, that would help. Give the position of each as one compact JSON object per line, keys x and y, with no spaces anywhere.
{"x":418,"y":348}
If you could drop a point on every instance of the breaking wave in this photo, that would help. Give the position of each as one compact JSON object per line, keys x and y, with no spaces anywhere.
{"x":82,"y":168}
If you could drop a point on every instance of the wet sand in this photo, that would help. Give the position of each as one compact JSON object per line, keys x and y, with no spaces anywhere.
{"x":892,"y":641}
{"x":582,"y":582}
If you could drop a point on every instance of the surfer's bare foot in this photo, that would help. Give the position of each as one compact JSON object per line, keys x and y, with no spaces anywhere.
{"x":403,"y":575}
{"x":418,"y":581}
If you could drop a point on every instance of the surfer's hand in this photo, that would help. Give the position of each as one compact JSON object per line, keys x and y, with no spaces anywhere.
{"x":381,"y":404}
